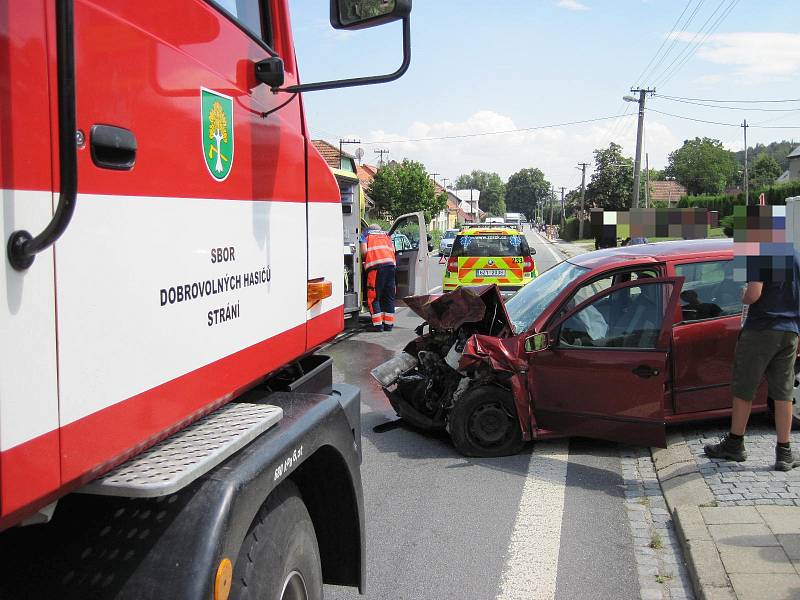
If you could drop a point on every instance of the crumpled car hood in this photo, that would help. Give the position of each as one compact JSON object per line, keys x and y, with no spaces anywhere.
{"x":453,"y":309}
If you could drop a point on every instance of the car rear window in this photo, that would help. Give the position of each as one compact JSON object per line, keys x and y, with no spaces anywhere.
{"x":490,"y":245}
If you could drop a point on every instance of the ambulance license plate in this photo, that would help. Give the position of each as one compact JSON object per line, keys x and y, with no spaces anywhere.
{"x":490,"y":273}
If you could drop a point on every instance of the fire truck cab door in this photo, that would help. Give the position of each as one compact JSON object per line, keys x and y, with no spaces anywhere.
{"x":183,"y":275}
{"x":409,"y":235}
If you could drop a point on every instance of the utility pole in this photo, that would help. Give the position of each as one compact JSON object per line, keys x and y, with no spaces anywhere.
{"x":646,"y":180}
{"x":445,"y":180}
{"x":434,"y":179}
{"x":341,"y":141}
{"x":746,"y":177}
{"x":562,"y":207}
{"x":582,"y":167}
{"x":381,"y":152}
{"x":637,"y":167}
{"x":552,"y":196}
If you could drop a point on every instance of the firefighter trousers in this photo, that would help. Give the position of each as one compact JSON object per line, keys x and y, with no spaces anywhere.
{"x":380,"y":295}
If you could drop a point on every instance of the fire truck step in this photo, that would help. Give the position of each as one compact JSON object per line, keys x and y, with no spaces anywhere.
{"x":187,"y":454}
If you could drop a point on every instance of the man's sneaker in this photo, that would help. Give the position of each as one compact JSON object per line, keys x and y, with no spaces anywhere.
{"x":785,"y":459}
{"x":728,"y":448}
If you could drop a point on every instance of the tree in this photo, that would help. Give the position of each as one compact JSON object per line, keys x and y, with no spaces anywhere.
{"x":525,"y":190}
{"x":611,"y":184}
{"x":765,"y":171}
{"x":405,"y":187}
{"x":703,"y":166}
{"x":492,"y":188}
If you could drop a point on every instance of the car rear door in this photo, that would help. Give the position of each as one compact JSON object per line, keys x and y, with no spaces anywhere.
{"x":412,"y":263}
{"x":604,"y":372}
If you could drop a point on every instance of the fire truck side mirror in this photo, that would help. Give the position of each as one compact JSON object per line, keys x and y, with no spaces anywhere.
{"x":360,"y":14}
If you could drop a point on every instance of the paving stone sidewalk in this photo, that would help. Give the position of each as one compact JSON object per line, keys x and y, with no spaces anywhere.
{"x":743,"y":552}
{"x":748,"y":483}
{"x":738,"y":523}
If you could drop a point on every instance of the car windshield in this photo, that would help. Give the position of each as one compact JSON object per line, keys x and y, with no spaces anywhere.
{"x":449,"y":234}
{"x":530,"y":301}
{"x":490,"y":245}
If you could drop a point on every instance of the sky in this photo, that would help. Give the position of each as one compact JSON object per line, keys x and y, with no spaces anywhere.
{"x":489,"y":67}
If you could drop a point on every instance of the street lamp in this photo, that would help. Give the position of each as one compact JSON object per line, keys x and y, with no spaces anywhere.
{"x":630,"y":99}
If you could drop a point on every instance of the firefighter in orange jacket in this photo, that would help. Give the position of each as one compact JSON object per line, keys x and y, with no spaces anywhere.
{"x":377,"y":252}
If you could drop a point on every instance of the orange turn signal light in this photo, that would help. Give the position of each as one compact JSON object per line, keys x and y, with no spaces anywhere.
{"x":318,"y":290}
{"x":223,"y":580}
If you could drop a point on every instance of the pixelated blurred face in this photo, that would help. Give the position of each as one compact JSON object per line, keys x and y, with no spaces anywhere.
{"x":761,"y":251}
{"x":686,"y":223}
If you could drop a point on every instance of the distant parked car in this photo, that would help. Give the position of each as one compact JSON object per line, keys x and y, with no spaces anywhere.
{"x":446,"y":243}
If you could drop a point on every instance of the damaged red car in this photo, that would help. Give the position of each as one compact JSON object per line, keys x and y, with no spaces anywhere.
{"x":613,"y":344}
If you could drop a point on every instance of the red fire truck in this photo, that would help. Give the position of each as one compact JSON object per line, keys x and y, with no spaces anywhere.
{"x":172,"y":246}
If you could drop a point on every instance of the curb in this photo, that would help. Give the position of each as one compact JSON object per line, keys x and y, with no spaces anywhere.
{"x":685,"y":491}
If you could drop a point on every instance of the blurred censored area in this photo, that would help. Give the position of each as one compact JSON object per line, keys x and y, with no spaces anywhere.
{"x":640,"y":223}
{"x":761,"y":249}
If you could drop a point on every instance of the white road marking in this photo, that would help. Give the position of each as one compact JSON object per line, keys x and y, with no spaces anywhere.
{"x":549,"y":247}
{"x":532,"y":563}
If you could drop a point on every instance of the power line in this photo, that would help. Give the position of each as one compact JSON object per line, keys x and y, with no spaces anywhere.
{"x":664,"y":41}
{"x":709,"y":32}
{"x":675,"y":37}
{"x":469,"y":135}
{"x":728,"y":101}
{"x":747,"y":108}
{"x":661,"y":112}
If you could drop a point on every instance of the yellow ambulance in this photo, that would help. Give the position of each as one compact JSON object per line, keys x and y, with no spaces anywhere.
{"x":483,"y":255}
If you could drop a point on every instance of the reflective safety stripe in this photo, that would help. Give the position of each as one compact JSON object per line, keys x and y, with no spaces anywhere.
{"x":388,"y":318}
{"x":377,"y":319}
{"x":380,"y":250}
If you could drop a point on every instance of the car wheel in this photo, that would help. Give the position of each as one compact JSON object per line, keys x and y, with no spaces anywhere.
{"x":484,"y":423}
{"x":279,"y":557}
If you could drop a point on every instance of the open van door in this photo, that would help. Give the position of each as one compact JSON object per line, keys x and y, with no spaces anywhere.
{"x":409,"y":235}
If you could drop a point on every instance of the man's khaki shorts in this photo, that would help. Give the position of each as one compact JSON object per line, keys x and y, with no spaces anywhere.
{"x":760,"y":353}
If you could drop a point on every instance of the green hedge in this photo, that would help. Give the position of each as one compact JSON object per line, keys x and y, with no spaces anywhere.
{"x":773,"y":194}
{"x":570,"y":232}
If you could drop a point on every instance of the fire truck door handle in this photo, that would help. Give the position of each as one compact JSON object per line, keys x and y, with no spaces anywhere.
{"x":113,"y":147}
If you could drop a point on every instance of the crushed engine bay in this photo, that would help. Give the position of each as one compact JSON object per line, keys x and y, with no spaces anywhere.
{"x":461,"y":345}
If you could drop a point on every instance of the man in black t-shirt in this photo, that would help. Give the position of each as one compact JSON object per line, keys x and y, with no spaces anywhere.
{"x":767,"y":345}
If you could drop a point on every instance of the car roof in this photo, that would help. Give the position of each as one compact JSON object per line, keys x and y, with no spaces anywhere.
{"x":657,"y":252}
{"x":490,"y":231}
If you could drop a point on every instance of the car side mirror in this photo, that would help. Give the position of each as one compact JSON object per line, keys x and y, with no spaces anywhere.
{"x":360,"y":14}
{"x":533,"y":251}
{"x":537,"y":342}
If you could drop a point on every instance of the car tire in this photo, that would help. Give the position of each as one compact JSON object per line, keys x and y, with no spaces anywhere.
{"x":279,"y":557}
{"x":484,"y":423}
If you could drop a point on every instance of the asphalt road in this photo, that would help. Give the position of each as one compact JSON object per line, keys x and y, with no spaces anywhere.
{"x":548,"y":523}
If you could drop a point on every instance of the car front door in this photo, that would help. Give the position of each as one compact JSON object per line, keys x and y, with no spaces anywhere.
{"x":412,"y":262}
{"x":604,"y":370}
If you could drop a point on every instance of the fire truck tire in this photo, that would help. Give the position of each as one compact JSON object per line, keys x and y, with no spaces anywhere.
{"x":279,"y":558}
{"x":484,"y":423}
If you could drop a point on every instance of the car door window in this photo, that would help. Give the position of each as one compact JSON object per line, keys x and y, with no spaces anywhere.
{"x":596,"y":286}
{"x":709,"y":290}
{"x":408,"y":228}
{"x":630,"y":317}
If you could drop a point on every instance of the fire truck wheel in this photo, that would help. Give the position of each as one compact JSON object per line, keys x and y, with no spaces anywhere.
{"x":484,"y":423}
{"x":280,"y":556}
